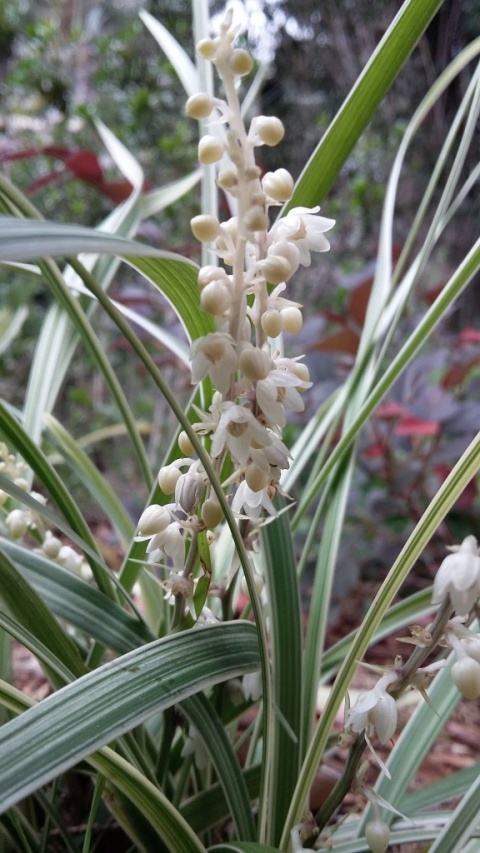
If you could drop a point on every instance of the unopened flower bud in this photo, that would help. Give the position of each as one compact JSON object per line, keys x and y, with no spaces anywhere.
{"x":286,"y":249}
{"x":255,"y":364}
{"x":207,"y":48}
{"x":188,"y":490}
{"x":212,"y":513}
{"x":252,"y":173}
{"x":301,"y":370}
{"x":210,"y":150}
{"x":292,"y":320}
{"x":154,"y":519}
{"x":72,"y":561}
{"x":472,"y":647}
{"x":17,"y":522}
{"x":185,"y":444}
{"x":227,"y":179}
{"x":269,"y":129}
{"x":199,"y":106}
{"x":278,"y":185}
{"x":272,"y":322}
{"x":167,"y":479}
{"x":275,"y":269}
{"x":228,"y":231}
{"x":241,"y":62}
{"x":51,"y":546}
{"x":377,"y":833}
{"x":21,"y":483}
{"x":256,"y":478}
{"x":466,"y":676}
{"x":210,"y":273}
{"x":258,"y":582}
{"x":256,"y":219}
{"x":3,"y":497}
{"x":215,"y":298}
{"x":205,"y":227}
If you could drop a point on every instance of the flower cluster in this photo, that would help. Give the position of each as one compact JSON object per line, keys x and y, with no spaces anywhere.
{"x":20,"y":522}
{"x":244,"y":291}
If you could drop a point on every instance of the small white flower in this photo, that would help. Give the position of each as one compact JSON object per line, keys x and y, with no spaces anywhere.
{"x":459,"y":577}
{"x":252,"y":502}
{"x":153,"y":519}
{"x":237,"y":429}
{"x":74,"y":562}
{"x":279,"y":390}
{"x":172,"y":542}
{"x":303,"y":228}
{"x":466,"y":677}
{"x":195,"y":745}
{"x":214,"y":355}
{"x":272,"y":459}
{"x":179,"y":585}
{"x":188,"y":489}
{"x":252,"y":686}
{"x":375,"y":711}
{"x":18,"y":521}
{"x":377,"y":833}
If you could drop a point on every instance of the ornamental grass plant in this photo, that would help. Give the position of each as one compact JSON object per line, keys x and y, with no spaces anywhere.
{"x":184,"y":687}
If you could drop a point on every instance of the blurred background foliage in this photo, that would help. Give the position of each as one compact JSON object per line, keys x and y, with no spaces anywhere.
{"x":64,"y":63}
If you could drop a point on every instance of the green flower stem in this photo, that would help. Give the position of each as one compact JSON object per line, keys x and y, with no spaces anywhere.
{"x":344,"y":784}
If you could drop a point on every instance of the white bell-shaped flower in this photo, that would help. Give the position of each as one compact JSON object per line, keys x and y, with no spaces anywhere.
{"x":375,"y":711}
{"x":459,"y":577}
{"x":214,"y":355}
{"x":303,"y":228}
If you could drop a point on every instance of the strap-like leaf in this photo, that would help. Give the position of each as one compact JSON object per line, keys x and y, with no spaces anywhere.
{"x":104,"y":704}
{"x":362,"y":102}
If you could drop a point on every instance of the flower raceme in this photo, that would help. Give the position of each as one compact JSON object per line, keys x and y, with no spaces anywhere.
{"x":254,"y":384}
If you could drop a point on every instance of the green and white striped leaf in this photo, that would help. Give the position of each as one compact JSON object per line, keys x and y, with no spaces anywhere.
{"x":31,"y":239}
{"x":104,"y":704}
{"x":180,"y":60}
{"x":77,"y":602}
{"x":362,"y":102}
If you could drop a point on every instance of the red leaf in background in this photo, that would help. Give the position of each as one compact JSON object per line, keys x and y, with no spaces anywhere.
{"x":391,"y":410}
{"x":458,"y":373}
{"x":85,"y":165}
{"x":374,"y":452}
{"x":345,"y":341}
{"x":333,"y":316}
{"x":470,"y":336}
{"x":358,"y":302}
{"x":409,"y":425}
{"x":118,"y":191}
{"x":431,"y":294}
{"x":469,"y":494}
